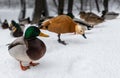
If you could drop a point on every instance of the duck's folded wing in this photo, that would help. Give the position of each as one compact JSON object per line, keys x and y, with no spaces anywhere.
{"x":18,"y":41}
{"x":13,"y":45}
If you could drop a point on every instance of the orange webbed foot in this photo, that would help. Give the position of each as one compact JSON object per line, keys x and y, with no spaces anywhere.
{"x":33,"y":64}
{"x":24,"y":67}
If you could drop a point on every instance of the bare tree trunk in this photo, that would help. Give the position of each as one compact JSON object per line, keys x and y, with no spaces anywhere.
{"x":90,"y":4}
{"x":9,"y":3}
{"x":97,"y":5}
{"x":81,"y":7}
{"x":55,"y":3}
{"x":23,"y":9}
{"x":70,"y":8}
{"x":105,"y":4}
{"x":41,"y":8}
{"x":37,"y":11}
{"x":85,"y":4}
{"x":45,"y":9}
{"x":60,"y":7}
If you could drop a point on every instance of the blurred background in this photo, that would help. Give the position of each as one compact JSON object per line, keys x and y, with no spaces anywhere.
{"x":47,"y":8}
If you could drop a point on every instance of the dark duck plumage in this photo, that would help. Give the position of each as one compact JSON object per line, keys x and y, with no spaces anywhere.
{"x":5,"y":24}
{"x":16,"y":30}
{"x":28,"y":48}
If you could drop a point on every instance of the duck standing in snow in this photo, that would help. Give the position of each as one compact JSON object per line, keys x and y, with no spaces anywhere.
{"x":28,"y":48}
{"x":63,"y":24}
{"x":16,"y":30}
{"x":82,"y":23}
{"x":5,"y":24}
{"x":91,"y":18}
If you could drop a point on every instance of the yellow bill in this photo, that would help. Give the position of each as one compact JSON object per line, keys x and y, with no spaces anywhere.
{"x":13,"y":29}
{"x":43,"y":35}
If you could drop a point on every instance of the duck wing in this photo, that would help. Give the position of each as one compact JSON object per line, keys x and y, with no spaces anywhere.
{"x":18,"y":41}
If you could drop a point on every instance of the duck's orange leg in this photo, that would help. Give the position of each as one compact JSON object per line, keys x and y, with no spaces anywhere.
{"x":24,"y":67}
{"x":33,"y":64}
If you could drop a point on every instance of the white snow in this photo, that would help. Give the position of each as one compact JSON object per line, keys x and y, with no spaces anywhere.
{"x":98,"y":56}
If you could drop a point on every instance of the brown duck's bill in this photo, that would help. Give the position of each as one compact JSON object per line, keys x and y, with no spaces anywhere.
{"x":84,"y":36}
{"x":43,"y":35}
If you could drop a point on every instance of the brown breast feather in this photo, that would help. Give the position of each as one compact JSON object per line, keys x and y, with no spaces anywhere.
{"x":36,"y":49}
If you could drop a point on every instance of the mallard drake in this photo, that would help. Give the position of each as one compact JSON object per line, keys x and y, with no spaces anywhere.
{"x":63,"y":24}
{"x":5,"y":24}
{"x":28,"y":48}
{"x":16,"y":30}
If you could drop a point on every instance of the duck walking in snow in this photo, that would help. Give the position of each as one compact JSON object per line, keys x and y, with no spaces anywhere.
{"x":28,"y":48}
{"x":63,"y":24}
{"x":91,"y":18}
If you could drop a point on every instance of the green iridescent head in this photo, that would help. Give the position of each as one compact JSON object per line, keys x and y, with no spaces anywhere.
{"x":31,"y":32}
{"x":15,"y":24}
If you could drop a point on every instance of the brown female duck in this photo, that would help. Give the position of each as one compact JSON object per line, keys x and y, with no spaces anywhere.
{"x":91,"y":18}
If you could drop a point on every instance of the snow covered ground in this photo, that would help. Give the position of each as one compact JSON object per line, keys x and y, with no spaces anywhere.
{"x":98,"y":56}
